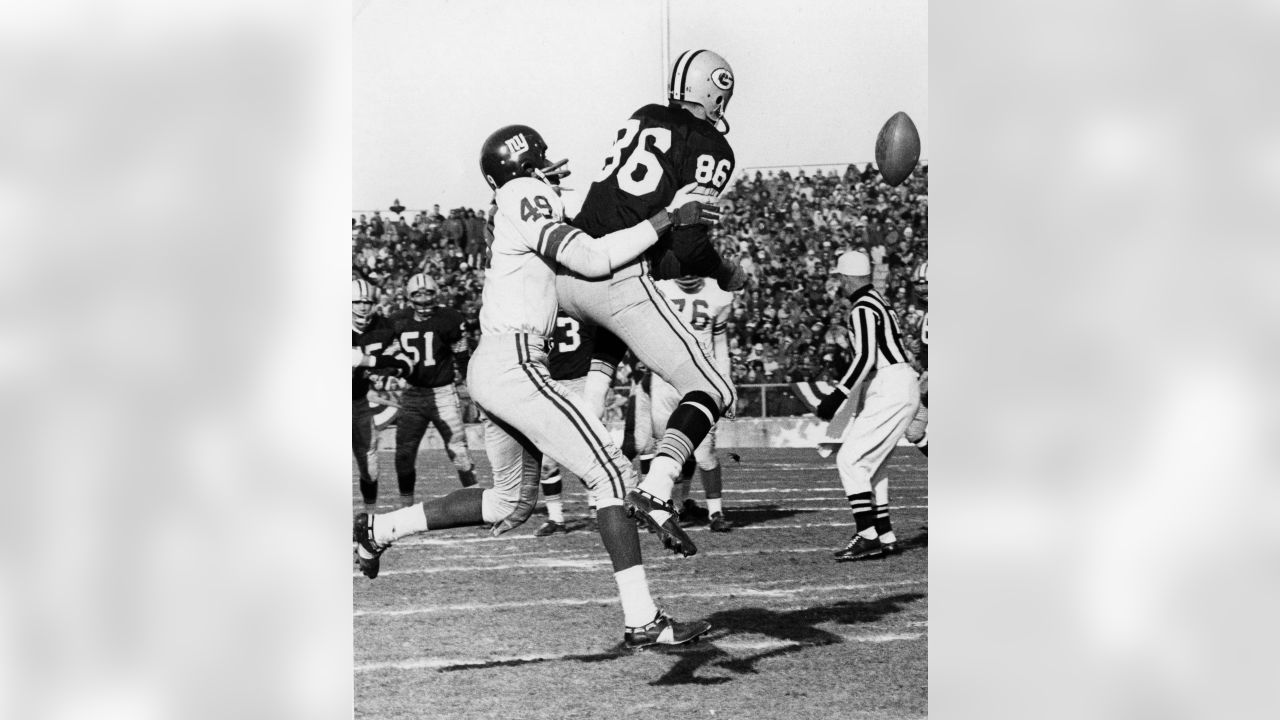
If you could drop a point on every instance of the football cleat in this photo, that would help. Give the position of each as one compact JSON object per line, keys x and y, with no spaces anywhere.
{"x":368,"y":552}
{"x":691,"y":514}
{"x":890,"y":549}
{"x":860,"y":548}
{"x":641,"y":504}
{"x":550,"y":527}
{"x":664,"y":630}
{"x":720,"y":523}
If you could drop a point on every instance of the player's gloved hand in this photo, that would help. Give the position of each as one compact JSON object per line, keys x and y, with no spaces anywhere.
{"x":731,"y":277}
{"x":694,"y":205}
{"x":830,"y":404}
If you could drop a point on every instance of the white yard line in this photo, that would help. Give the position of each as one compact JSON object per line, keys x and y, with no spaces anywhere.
{"x":720,"y":592}
{"x":439,"y":663}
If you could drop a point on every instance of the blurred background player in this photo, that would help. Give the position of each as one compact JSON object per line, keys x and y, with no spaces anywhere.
{"x":528,"y":413}
{"x":889,"y":401}
{"x":706,"y":309}
{"x":660,"y":149}
{"x":569,"y":362}
{"x":371,"y":335}
{"x":918,"y":429}
{"x":432,"y":343}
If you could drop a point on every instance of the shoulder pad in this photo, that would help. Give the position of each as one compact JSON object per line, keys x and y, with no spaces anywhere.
{"x":511,"y":196}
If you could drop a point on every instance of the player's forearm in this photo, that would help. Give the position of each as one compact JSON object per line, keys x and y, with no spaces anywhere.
{"x":598,"y":257}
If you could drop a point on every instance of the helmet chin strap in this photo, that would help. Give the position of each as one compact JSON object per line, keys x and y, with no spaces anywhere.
{"x":724,"y":120}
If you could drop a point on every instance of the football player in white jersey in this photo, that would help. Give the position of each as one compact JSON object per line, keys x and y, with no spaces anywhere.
{"x":705,"y":308}
{"x":528,"y":413}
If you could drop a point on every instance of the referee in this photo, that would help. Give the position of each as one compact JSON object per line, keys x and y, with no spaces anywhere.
{"x":881,"y":373}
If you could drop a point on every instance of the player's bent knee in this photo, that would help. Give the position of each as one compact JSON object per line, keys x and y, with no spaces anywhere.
{"x":497,"y":504}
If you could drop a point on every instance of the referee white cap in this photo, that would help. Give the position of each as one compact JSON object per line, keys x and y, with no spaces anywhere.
{"x":853,"y":263}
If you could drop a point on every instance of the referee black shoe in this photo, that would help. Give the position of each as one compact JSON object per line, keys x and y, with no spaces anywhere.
{"x":664,"y":630}
{"x":368,"y":552}
{"x":860,"y":548}
{"x":641,"y":504}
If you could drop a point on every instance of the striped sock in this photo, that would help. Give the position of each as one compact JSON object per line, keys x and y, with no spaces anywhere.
{"x":884,"y":528}
{"x":864,"y":514}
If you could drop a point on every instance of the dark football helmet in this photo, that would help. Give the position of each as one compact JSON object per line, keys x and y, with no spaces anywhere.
{"x":518,"y":151}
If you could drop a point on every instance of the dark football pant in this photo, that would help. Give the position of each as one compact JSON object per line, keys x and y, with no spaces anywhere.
{"x":364,"y":450}
{"x":422,"y":408}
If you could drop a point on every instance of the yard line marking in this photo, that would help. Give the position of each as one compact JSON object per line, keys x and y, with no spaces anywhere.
{"x":446,"y":542}
{"x":585,"y":562}
{"x":439,"y":663}
{"x":570,"y":602}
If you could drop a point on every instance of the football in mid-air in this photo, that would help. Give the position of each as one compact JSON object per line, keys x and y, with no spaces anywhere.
{"x":897,"y":149}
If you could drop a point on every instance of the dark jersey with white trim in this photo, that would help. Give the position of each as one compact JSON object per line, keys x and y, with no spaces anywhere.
{"x":429,"y":346}
{"x":875,"y":338}
{"x":378,"y":337}
{"x":571,"y":345}
{"x":658,"y":151}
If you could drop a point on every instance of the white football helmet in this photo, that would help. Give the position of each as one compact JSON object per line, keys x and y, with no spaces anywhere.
{"x":703,"y":78}
{"x":920,"y":281}
{"x":422,"y":290}
{"x":363,"y":297}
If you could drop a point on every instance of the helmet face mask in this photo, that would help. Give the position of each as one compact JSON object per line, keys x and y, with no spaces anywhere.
{"x":363,"y":297}
{"x":422,"y":290}
{"x":518,"y":151}
{"x":705,"y":79}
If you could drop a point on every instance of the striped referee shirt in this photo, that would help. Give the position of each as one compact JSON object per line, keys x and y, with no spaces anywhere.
{"x":875,"y":337}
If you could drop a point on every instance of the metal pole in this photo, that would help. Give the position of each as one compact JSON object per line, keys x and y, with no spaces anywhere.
{"x":764,"y":409}
{"x":665,"y":31}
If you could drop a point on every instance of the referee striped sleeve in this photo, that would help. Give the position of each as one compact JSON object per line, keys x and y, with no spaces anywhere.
{"x":863,"y":328}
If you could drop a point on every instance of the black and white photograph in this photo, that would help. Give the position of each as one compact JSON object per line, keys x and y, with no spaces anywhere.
{"x":640,"y":359}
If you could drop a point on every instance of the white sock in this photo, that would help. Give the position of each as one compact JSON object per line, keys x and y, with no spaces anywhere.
{"x":889,"y":538}
{"x":663,"y":472}
{"x":713,"y":506}
{"x":555,"y":510}
{"x":637,"y":604}
{"x":389,"y":527}
{"x":869,"y":533}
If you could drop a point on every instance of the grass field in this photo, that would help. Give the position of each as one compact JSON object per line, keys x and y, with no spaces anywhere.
{"x":461,"y":625}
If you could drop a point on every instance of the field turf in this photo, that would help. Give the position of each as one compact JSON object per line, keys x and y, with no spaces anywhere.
{"x":462,"y":625}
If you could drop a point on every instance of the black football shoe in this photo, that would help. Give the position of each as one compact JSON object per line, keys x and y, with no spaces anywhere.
{"x":368,"y":552}
{"x":664,"y":630}
{"x":550,"y":527}
{"x":640,"y":504}
{"x":720,"y":523}
{"x":692,"y":514}
{"x":860,"y":548}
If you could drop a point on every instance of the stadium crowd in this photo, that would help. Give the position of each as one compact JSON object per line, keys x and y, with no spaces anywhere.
{"x":786,"y":230}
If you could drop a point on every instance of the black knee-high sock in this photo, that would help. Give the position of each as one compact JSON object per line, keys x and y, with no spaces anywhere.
{"x":864,"y":512}
{"x":618,"y":534}
{"x":459,"y":508}
{"x":688,"y":426}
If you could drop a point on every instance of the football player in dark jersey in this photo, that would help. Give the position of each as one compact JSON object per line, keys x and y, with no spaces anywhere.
{"x":660,"y":149}
{"x":432,"y":343}
{"x":371,"y":337}
{"x":568,"y":362}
